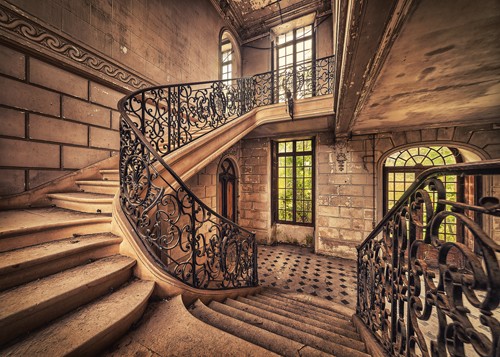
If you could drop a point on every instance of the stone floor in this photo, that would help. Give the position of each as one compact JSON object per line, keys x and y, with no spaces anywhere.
{"x":298,"y":269}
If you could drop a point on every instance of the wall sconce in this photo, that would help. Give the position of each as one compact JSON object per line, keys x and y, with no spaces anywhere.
{"x":289,"y":102}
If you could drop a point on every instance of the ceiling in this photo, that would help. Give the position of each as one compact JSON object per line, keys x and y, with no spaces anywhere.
{"x":437,"y":63}
{"x":254,"y":18}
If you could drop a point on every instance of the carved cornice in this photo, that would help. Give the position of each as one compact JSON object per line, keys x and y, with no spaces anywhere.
{"x":26,"y":32}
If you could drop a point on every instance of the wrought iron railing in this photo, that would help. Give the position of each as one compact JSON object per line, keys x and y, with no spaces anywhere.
{"x":185,"y":237}
{"x":421,"y":295}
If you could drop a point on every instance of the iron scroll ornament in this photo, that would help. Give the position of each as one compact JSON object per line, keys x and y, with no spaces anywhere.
{"x":185,"y":237}
{"x":421,"y":295}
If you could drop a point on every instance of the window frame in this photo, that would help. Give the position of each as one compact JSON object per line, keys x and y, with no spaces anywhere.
{"x":228,"y":62}
{"x":295,"y":64}
{"x":274,"y":180}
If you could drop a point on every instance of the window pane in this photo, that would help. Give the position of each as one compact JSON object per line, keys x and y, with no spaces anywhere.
{"x":295,"y":181}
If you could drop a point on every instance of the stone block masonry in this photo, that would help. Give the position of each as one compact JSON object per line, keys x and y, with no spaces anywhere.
{"x":255,"y":194}
{"x":52,"y":121}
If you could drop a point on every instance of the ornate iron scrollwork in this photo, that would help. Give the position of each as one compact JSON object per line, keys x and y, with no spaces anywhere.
{"x":421,"y":295}
{"x":184,"y":236}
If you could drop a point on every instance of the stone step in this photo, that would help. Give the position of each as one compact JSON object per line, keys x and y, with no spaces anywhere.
{"x":301,"y":318}
{"x":283,"y":298}
{"x":253,"y":333}
{"x":187,"y":336}
{"x":312,"y":303}
{"x":83,"y":201}
{"x":27,"y":227}
{"x":109,"y":187}
{"x":110,"y":174}
{"x":297,"y":325}
{"x":26,"y":264}
{"x":90,"y":329}
{"x":34,"y":304}
{"x":290,"y":307}
{"x":316,"y":301}
{"x":308,"y":339}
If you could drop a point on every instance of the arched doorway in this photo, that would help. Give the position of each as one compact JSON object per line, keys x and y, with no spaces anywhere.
{"x":227,"y":193}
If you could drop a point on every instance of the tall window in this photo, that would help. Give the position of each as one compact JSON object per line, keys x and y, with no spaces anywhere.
{"x":293,"y":181}
{"x":294,"y":54}
{"x":402,"y":168}
{"x":227,"y":58}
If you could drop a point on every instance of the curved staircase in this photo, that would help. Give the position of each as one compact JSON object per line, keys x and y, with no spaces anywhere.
{"x":64,"y":287}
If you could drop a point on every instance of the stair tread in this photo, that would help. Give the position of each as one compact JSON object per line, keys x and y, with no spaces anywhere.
{"x":251,"y":333}
{"x":83,"y":197}
{"x":302,"y":318}
{"x":22,"y":221}
{"x":99,"y":182}
{"x":20,"y":301}
{"x":320,"y":316}
{"x":288,"y":332}
{"x":18,"y":259}
{"x":92,"y":322}
{"x":307,"y":307}
{"x":112,"y":171}
{"x":301,"y":326}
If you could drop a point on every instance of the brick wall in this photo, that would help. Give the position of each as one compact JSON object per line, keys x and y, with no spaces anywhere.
{"x":51,"y":121}
{"x":204,"y":184}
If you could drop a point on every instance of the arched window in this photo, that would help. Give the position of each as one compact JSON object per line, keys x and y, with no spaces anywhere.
{"x":228,"y":190}
{"x":402,"y":168}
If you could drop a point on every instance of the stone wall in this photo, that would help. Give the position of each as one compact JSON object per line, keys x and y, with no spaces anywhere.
{"x":52,"y":121}
{"x":255,"y":187}
{"x":348,"y":200}
{"x":58,"y":107}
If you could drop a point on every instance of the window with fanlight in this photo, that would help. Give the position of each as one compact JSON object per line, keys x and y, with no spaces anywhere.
{"x":226,"y":60}
{"x":402,"y":168}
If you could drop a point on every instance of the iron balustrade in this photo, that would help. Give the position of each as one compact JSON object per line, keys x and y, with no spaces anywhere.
{"x":421,"y":295}
{"x":184,"y":236}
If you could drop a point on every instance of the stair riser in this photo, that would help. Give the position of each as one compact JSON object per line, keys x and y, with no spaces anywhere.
{"x":310,"y":313}
{"x":285,"y":321}
{"x":107,"y":190}
{"x":290,"y":333}
{"x":308,"y":306}
{"x":52,"y":234}
{"x":87,"y":207}
{"x":110,"y":176}
{"x":302,"y":318}
{"x":14,"y":278}
{"x":25,"y":321}
{"x":250,"y":333}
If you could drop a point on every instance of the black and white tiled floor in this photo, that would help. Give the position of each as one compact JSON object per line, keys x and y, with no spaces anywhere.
{"x":298,"y":269}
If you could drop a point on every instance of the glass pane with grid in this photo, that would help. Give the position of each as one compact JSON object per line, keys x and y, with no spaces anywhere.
{"x":403,"y":167}
{"x":295,"y":181}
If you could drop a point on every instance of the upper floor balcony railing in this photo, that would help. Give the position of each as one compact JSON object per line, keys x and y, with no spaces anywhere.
{"x":422,"y":293}
{"x":184,"y":236}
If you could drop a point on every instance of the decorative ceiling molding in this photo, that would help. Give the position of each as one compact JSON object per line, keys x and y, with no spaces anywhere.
{"x":251,"y":30}
{"x":26,"y":32}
